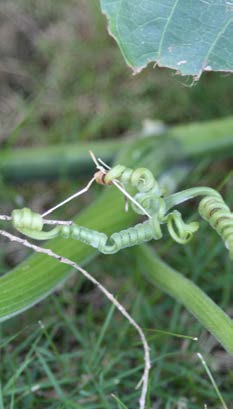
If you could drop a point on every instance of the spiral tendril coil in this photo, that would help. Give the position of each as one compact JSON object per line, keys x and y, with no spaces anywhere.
{"x":212,"y":208}
{"x":31,"y":224}
{"x":215,"y":211}
{"x":138,"y":234}
{"x":149,"y":194}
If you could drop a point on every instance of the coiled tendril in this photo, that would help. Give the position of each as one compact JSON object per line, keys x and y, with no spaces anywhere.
{"x":215,"y":211}
{"x":212,"y":208}
{"x":149,"y":194}
{"x":31,"y":224}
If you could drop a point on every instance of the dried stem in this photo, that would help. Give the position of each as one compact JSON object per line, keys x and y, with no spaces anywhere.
{"x":45,"y":221}
{"x":79,"y":193}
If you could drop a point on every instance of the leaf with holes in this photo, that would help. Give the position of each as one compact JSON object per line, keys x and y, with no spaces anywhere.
{"x":185,"y":35}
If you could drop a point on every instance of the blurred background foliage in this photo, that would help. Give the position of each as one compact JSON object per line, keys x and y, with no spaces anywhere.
{"x":63,"y":80}
{"x":62,"y":77}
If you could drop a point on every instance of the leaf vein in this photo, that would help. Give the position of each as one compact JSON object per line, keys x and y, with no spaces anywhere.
{"x":218,"y":36}
{"x":165,"y":27}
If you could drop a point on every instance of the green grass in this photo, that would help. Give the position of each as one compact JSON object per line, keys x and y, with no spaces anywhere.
{"x":75,"y":86}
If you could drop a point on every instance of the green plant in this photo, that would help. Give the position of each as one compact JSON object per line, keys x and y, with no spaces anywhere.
{"x":34,"y":279}
{"x":149,"y":201}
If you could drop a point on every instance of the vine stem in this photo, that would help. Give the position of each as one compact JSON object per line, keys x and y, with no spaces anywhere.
{"x":184,"y":291}
{"x":147,"y":363}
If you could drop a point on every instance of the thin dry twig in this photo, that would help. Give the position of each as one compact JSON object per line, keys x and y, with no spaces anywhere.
{"x":111,"y":298}
{"x":45,"y":221}
{"x":79,"y":193}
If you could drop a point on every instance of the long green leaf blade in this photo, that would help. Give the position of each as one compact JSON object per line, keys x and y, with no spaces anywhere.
{"x":38,"y":276}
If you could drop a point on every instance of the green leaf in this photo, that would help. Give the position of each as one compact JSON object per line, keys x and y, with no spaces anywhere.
{"x":185,"y":35}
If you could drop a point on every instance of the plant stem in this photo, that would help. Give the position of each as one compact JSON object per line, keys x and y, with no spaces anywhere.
{"x":207,"y":137}
{"x":53,"y":161}
{"x":180,"y":142}
{"x":187,"y":293}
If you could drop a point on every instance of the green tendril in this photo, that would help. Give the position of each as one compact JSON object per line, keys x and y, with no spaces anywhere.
{"x":31,"y":224}
{"x":212,"y":208}
{"x":216,"y":212}
{"x":180,"y":231}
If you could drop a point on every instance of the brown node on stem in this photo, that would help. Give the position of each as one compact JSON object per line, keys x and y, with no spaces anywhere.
{"x":100,"y":178}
